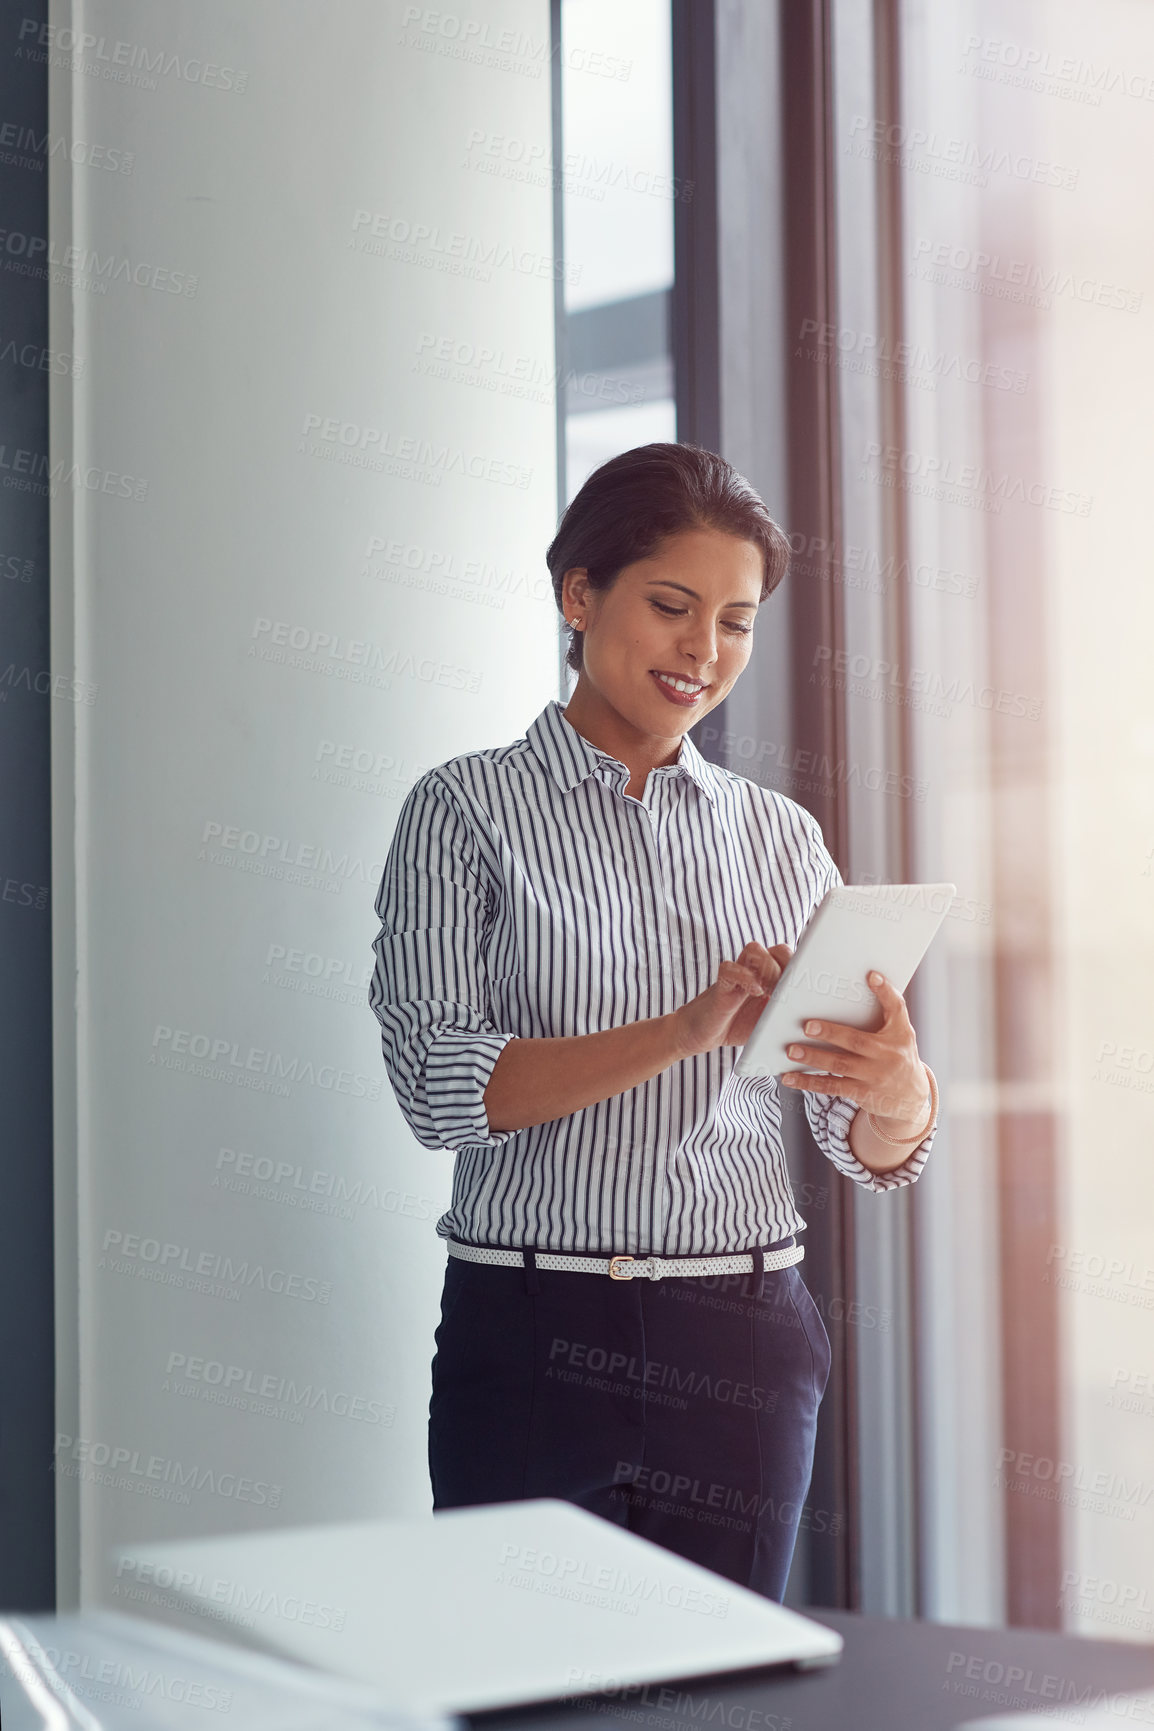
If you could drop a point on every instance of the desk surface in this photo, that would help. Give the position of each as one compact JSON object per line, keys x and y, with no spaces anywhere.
{"x":894,"y":1675}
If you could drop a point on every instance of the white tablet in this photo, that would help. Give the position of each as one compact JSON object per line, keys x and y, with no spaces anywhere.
{"x":853,"y":929}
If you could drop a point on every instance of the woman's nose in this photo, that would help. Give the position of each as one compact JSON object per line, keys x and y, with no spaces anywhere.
{"x":700,"y":641}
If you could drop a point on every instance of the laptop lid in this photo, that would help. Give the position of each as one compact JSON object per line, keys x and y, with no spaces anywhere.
{"x":470,"y":1609}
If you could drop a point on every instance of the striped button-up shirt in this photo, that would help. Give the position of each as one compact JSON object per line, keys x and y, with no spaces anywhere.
{"x":525,"y":895}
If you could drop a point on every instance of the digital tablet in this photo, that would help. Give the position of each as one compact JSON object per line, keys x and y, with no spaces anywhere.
{"x":853,"y":930}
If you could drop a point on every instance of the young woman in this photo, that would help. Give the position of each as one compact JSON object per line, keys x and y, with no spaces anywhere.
{"x":579,"y":931}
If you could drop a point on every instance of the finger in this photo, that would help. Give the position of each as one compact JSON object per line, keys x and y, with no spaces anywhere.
{"x":763,"y":963}
{"x":734,"y":976}
{"x":779,"y":953}
{"x":839,"y":1034}
{"x":778,"y":957}
{"x":847,"y":1065}
{"x":892,"y":1003}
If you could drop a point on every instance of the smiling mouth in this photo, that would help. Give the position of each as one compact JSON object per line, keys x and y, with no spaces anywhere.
{"x":696,"y":688}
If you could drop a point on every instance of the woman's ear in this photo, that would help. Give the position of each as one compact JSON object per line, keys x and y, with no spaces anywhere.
{"x":574,"y":585}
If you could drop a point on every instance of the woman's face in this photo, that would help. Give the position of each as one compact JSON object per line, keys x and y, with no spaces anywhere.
{"x":687,"y":611}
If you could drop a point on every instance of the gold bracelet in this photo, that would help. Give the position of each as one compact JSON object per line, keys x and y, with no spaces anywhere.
{"x":910,"y":1141}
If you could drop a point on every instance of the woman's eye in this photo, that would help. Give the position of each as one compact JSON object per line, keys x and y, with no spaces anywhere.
{"x":678,"y":612}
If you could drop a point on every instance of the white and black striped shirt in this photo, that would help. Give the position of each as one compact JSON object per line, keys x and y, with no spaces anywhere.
{"x":525,"y":896}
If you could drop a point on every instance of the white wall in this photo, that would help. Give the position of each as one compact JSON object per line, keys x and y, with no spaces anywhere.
{"x":241,"y":524}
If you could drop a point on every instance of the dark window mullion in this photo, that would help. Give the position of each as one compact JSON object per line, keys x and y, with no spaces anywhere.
{"x":818,"y":720}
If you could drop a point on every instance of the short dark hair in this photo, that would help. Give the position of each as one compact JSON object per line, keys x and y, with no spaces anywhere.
{"x":632,"y":504}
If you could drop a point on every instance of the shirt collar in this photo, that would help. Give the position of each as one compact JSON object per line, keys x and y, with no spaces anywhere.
{"x":570,"y":757}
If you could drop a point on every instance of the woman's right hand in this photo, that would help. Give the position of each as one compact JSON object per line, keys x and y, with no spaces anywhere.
{"x":726,"y":1013}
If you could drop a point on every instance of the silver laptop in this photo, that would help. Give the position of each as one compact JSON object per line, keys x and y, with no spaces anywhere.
{"x":470,"y":1609}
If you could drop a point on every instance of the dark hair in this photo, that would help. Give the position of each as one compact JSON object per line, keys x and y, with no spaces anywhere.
{"x":633,"y":503}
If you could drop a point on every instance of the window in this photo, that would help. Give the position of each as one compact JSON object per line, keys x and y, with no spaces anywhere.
{"x":617,"y":191}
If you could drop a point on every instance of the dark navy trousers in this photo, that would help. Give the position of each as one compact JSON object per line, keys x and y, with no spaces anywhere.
{"x":683,"y":1409}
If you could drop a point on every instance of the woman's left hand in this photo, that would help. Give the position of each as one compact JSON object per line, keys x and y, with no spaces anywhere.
{"x":881,"y":1071}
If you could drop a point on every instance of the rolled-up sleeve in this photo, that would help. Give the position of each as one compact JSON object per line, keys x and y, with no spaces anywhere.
{"x":830,"y":1116}
{"x":830,"y":1119}
{"x":428,"y":988}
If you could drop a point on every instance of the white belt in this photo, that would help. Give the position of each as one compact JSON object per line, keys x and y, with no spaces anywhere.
{"x":629,"y":1267}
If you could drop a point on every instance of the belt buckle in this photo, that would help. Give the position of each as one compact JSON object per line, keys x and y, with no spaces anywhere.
{"x":613,"y":1262}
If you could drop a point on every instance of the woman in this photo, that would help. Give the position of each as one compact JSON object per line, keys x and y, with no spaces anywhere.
{"x":579,"y":931}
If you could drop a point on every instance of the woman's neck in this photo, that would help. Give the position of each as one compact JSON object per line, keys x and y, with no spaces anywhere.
{"x":606,"y":728}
